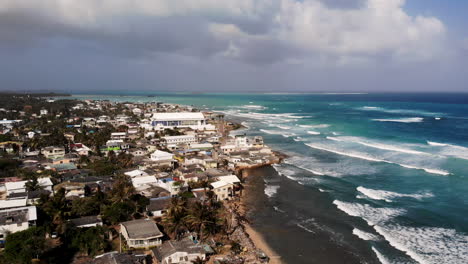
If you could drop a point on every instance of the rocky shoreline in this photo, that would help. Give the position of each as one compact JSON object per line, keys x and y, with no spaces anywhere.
{"x":254,"y":247}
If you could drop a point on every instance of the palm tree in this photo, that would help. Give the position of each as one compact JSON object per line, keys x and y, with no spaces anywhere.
{"x":203,"y":219}
{"x":175,"y":219}
{"x":122,"y":189}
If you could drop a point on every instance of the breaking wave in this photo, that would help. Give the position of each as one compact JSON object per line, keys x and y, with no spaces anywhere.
{"x":364,"y":235}
{"x":276,"y":132}
{"x":313,"y":132}
{"x":427,"y":244}
{"x":371,"y":215}
{"x":364,"y":157}
{"x":401,"y":120}
{"x":388,"y":196}
{"x":271,"y":190}
{"x":399,"y":111}
{"x":315,"y":126}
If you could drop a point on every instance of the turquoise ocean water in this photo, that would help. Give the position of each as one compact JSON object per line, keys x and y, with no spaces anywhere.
{"x":395,"y":166}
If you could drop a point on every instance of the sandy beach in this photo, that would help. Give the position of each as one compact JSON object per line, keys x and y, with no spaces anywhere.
{"x":253,"y":187}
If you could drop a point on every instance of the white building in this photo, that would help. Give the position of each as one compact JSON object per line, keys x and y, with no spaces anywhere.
{"x":183,"y":139}
{"x":44,"y":112}
{"x":118,"y":135}
{"x":53,"y":152}
{"x":20,"y":186}
{"x":16,"y":219}
{"x":193,"y":120}
{"x":224,"y":187}
{"x":161,"y":156}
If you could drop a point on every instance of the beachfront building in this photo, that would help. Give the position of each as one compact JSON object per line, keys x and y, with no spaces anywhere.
{"x":142,"y":233}
{"x":225,"y":187}
{"x":182,"y":251}
{"x":193,"y":120}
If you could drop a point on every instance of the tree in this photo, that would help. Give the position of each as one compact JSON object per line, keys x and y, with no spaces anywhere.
{"x":119,"y":212}
{"x":121,"y":189}
{"x":56,"y":208}
{"x":21,"y":247}
{"x":89,"y":241}
{"x":175,"y":220}
{"x":203,"y":219}
{"x":85,"y":206}
{"x":33,"y":184}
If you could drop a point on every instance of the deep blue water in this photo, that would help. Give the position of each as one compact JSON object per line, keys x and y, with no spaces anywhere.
{"x":395,"y":164}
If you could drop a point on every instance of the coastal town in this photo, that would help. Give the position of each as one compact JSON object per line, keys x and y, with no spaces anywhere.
{"x":96,"y":181}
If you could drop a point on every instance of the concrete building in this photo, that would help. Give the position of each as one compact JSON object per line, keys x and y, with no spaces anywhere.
{"x":16,"y":219}
{"x":193,"y":120}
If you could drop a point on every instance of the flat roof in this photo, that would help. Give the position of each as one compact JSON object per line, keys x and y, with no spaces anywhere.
{"x":178,"y":116}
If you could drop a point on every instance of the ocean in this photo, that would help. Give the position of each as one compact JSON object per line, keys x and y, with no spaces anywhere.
{"x":382,"y":176}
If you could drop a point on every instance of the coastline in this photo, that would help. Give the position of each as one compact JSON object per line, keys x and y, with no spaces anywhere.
{"x":253,"y":187}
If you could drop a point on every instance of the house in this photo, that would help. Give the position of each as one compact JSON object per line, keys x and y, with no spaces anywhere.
{"x":13,"y":203}
{"x":158,"y":206}
{"x":144,"y":182}
{"x":136,"y":173}
{"x":53,"y":152}
{"x":223,"y":190}
{"x":20,"y":186}
{"x":87,"y":221}
{"x":142,"y":233}
{"x":162,"y":156}
{"x":225,"y":187}
{"x":138,"y":152}
{"x":72,"y":189}
{"x":121,"y":258}
{"x":183,"y":251}
{"x":16,"y":219}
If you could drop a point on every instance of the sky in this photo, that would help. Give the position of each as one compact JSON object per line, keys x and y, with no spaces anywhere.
{"x":93,"y":46}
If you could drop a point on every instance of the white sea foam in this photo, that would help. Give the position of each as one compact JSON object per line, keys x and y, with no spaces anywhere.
{"x":437,"y":144}
{"x":257,"y":107}
{"x":450,"y":149}
{"x":278,"y":209}
{"x":400,"y":111}
{"x":381,"y":257}
{"x":313,"y":132}
{"x":427,"y":244}
{"x":276,"y":132}
{"x":281,"y":170}
{"x":365,"y":157}
{"x":315,"y":126}
{"x":388,"y":196}
{"x":371,"y":215}
{"x":305,"y":228}
{"x":367,"y":143}
{"x":364,"y":235}
{"x":401,"y":120}
{"x":298,"y":139}
{"x":283,"y":127}
{"x":271,"y":190}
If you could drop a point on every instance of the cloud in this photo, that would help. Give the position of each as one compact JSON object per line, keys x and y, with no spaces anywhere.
{"x":253,"y":31}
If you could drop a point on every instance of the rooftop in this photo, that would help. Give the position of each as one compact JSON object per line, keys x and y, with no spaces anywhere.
{"x":142,"y":228}
{"x":178,"y":116}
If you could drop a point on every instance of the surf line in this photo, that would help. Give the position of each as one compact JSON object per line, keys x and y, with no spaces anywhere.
{"x":433,"y":171}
